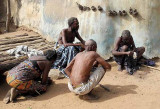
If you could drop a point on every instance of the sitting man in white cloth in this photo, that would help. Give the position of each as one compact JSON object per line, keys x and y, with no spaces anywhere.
{"x":79,"y":70}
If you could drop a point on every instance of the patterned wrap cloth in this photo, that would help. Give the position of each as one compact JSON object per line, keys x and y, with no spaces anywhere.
{"x":65,"y":56}
{"x":127,"y":61}
{"x":22,"y":77}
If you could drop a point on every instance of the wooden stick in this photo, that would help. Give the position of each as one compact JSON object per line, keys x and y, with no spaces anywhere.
{"x":17,"y":37}
{"x":6,"y":58}
{"x":105,"y":88}
{"x":2,"y":22}
{"x":37,"y":45}
{"x":37,"y":92}
{"x":25,"y":43}
{"x":8,"y":15}
{"x":19,"y":40}
{"x":6,"y":65}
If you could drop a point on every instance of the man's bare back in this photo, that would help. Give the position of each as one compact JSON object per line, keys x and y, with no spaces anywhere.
{"x":81,"y":81}
{"x":80,"y":67}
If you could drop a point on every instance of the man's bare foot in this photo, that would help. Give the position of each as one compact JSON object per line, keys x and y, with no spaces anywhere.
{"x":6,"y":99}
{"x":129,"y":70}
{"x":120,"y":68}
{"x":14,"y":93}
{"x":88,"y":97}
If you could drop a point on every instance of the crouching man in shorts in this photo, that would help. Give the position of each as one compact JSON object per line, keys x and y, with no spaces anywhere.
{"x":79,"y":70}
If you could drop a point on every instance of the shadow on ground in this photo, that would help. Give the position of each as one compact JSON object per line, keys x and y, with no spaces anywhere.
{"x":52,"y":91}
{"x":115,"y":91}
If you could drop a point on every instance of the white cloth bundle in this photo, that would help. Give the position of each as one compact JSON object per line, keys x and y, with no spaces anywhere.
{"x":24,"y":50}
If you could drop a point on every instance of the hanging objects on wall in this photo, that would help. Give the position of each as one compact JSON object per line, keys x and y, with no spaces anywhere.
{"x":115,"y":13}
{"x":80,"y":6}
{"x":94,"y":8}
{"x":133,"y":12}
{"x":83,"y":8}
{"x":122,"y":13}
{"x":88,"y":8}
{"x":100,"y":8}
{"x":112,"y":13}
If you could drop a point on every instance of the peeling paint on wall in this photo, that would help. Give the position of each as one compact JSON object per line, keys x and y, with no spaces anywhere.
{"x":49,"y":17}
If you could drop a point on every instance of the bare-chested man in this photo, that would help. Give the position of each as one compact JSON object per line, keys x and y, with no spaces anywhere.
{"x":67,"y":36}
{"x":82,"y":79}
{"x":68,"y":50}
{"x":123,"y":52}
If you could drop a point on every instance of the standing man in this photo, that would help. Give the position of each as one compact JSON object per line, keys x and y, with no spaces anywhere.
{"x":124,"y":49}
{"x":82,"y":78}
{"x":68,"y":50}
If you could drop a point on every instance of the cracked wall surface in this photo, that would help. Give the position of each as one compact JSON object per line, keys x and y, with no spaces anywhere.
{"x":49,"y":17}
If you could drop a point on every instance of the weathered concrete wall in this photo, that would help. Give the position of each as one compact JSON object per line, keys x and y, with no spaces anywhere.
{"x":49,"y":17}
{"x":2,"y":10}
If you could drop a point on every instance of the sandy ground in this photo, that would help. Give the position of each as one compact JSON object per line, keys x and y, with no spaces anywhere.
{"x":140,"y":91}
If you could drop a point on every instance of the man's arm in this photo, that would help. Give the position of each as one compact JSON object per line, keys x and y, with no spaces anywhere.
{"x":80,"y":38}
{"x":133,"y":44}
{"x":104,"y":64}
{"x":68,"y":69}
{"x":115,"y":52}
{"x":65,"y":42}
{"x":45,"y":73}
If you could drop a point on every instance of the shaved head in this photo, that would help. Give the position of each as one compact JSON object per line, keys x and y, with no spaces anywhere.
{"x":126,"y":37}
{"x":90,"y":42}
{"x":90,"y":45}
{"x":126,"y":33}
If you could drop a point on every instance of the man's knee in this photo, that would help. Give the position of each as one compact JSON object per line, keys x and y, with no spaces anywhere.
{"x":124,"y":48}
{"x":97,"y":75}
{"x":141,"y":50}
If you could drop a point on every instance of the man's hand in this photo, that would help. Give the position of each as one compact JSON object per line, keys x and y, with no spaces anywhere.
{"x":83,"y":42}
{"x":65,"y":45}
{"x":130,"y":53}
{"x":82,"y":45}
{"x":68,"y":69}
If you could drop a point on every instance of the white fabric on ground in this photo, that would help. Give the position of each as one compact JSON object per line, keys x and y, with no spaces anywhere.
{"x":24,"y":50}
